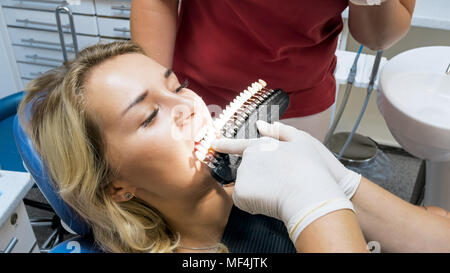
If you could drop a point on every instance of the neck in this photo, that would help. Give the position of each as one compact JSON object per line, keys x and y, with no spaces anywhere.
{"x":200,"y":217}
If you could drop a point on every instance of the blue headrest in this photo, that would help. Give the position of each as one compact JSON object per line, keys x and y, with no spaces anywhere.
{"x":8,"y":105}
{"x":38,"y":171}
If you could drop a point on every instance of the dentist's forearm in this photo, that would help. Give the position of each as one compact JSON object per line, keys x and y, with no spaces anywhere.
{"x":332,"y":233}
{"x":398,"y":225}
{"x":379,"y":27}
{"x":153,"y":26}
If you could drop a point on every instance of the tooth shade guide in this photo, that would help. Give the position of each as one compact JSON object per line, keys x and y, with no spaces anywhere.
{"x":233,"y":116}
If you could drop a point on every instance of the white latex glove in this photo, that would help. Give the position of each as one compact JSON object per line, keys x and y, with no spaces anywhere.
{"x":347,"y":179}
{"x":286,"y":179}
{"x":367,"y":2}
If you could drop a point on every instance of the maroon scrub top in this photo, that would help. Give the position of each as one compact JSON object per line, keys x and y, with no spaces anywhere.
{"x":223,"y":46}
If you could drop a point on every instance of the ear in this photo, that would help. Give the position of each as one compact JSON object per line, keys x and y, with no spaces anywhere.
{"x":120,"y":191}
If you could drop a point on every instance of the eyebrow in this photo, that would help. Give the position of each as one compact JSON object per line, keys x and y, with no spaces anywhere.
{"x":138,"y":99}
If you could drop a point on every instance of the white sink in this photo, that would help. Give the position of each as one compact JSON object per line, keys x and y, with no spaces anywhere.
{"x":414,"y":98}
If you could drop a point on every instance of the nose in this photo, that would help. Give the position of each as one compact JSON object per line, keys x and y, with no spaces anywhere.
{"x":182,"y":108}
{"x":182,"y":115}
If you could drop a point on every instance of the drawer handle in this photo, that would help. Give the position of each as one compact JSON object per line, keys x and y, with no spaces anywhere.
{"x":43,"y":1}
{"x":33,"y":41}
{"x":41,"y":47}
{"x":37,"y":74}
{"x":37,"y":57}
{"x":121,"y":29}
{"x":37,"y":63}
{"x":26,"y":22}
{"x":121,"y":7}
{"x":11,"y":245}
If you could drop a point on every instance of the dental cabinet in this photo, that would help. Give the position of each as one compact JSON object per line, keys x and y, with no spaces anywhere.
{"x":29,"y":32}
{"x":16,"y":233}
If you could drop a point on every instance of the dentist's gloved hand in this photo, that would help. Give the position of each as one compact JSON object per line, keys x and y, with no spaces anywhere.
{"x":347,"y":179}
{"x":288,"y":179}
{"x":367,"y":2}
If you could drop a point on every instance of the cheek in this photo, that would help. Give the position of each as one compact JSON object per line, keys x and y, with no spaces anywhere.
{"x":176,"y":168}
{"x":163,"y":159}
{"x":156,"y":160}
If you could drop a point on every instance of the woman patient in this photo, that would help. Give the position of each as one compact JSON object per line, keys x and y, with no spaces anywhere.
{"x":116,"y":131}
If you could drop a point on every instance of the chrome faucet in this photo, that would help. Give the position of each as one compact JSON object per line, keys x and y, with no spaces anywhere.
{"x":448,"y":70}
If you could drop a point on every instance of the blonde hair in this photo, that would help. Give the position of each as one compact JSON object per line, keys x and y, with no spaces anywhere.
{"x":71,"y":145}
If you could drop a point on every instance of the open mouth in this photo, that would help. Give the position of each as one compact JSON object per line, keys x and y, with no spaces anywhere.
{"x":203,"y":138}
{"x":228,"y":121}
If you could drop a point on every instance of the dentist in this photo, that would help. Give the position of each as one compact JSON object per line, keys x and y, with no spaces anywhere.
{"x":326,"y":207}
{"x":222,"y":45}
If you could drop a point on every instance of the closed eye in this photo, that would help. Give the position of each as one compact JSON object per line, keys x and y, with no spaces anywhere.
{"x":150,"y":118}
{"x":155,"y":112}
{"x":179,"y":88}
{"x":183,"y":85}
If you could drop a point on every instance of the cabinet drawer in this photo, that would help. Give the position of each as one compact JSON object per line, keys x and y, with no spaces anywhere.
{"x":115,"y":8}
{"x":40,"y":56}
{"x":31,"y":71}
{"x":47,"y":21}
{"x":35,"y":39}
{"x":77,"y":6}
{"x":20,"y":229}
{"x":111,"y":27}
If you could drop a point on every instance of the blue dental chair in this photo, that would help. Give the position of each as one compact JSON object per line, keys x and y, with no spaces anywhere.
{"x":70,"y":220}
{"x":11,"y":160}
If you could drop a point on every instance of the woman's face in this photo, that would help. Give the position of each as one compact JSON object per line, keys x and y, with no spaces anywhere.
{"x":148,"y":128}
